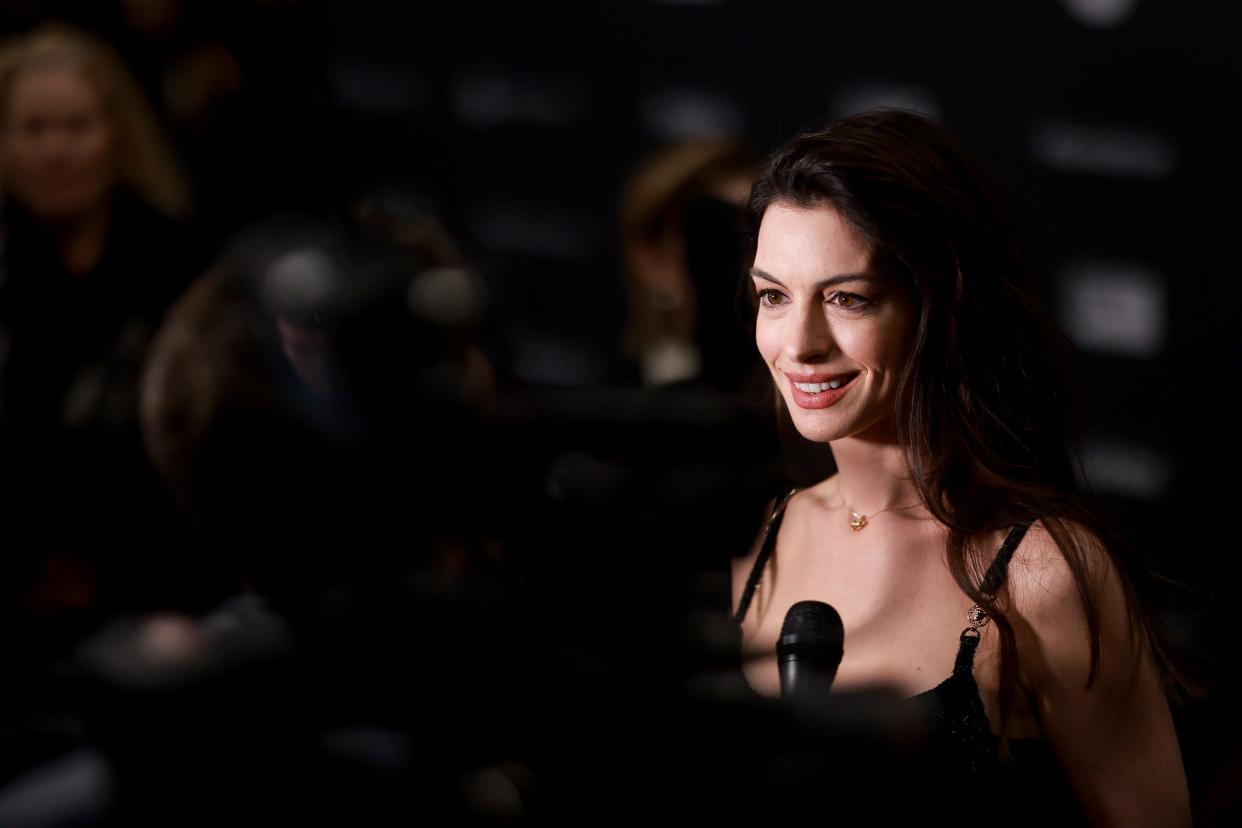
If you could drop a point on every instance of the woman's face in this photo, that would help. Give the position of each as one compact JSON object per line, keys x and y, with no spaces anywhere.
{"x":826,"y":318}
{"x":57,"y":147}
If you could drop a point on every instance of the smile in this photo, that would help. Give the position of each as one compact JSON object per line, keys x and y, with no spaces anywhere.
{"x":812,"y":387}
{"x":820,"y":391}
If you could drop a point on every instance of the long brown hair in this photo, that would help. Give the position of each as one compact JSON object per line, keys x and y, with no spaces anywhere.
{"x":988,"y":407}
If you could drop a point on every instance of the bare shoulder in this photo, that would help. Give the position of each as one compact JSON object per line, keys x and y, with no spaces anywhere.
{"x":1060,"y":574}
{"x":1109,"y":726}
{"x":1054,"y":563}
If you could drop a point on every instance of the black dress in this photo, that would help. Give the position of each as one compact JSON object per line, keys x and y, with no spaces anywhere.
{"x":963,"y":753}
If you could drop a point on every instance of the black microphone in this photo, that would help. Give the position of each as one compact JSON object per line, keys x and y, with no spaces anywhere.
{"x":810,"y":649}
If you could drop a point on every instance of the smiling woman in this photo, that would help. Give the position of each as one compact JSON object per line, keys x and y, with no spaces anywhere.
{"x":896,"y":316}
{"x":826,"y":320}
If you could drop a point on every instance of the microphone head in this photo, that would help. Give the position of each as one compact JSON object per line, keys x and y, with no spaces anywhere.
{"x":809,"y":650}
{"x":814,"y":622}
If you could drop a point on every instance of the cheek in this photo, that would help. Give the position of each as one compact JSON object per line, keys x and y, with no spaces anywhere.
{"x":880,"y":344}
{"x":20,"y":167}
{"x":14,"y":153}
{"x":900,"y":340}
{"x":892,"y":351}
{"x":767,"y":339}
{"x":97,"y":152}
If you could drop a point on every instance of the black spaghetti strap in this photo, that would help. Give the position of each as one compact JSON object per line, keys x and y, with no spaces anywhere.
{"x":995,"y":576}
{"x":977,"y":617}
{"x":765,"y":552}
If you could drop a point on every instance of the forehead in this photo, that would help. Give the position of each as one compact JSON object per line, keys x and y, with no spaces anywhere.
{"x":800,"y":243}
{"x":50,"y":91}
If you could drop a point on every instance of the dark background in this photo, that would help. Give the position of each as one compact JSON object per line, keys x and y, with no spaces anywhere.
{"x":1114,"y":126}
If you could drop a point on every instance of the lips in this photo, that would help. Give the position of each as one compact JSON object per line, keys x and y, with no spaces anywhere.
{"x":823,"y":397}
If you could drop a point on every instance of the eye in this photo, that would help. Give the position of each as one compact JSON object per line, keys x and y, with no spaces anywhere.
{"x":848,"y":301}
{"x":770,"y":298}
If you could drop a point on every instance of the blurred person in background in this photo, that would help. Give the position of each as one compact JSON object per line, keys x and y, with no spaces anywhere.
{"x":680,"y":235}
{"x":309,"y":402}
{"x":93,"y":248}
{"x":329,"y":347}
{"x":240,"y":88}
{"x":313,"y":401}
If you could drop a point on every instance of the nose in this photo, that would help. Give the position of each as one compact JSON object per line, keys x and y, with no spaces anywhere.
{"x":810,"y":337}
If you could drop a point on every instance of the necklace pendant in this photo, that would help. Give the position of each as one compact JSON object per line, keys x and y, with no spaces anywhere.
{"x":857,"y":521}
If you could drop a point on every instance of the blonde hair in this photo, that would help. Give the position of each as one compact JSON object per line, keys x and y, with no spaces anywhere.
{"x":145,"y":158}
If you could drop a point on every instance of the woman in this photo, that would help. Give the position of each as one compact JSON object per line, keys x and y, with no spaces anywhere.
{"x":92,"y":251}
{"x":895,"y":315}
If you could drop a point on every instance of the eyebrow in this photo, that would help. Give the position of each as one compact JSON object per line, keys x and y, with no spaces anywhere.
{"x":822,"y":283}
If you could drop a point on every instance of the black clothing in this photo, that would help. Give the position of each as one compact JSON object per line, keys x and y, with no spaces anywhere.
{"x":75,"y":342}
{"x":962,"y":748}
{"x":76,"y":487}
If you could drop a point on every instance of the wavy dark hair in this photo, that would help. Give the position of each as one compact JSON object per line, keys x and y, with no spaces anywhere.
{"x":989,"y":407}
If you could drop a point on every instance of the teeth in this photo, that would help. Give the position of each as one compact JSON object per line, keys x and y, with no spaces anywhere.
{"x":816,"y":387}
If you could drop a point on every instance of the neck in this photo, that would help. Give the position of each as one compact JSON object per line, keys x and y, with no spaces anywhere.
{"x":83,"y":238}
{"x":872,"y":475}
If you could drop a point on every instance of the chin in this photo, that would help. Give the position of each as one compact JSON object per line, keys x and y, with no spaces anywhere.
{"x":63,"y":202}
{"x":828,"y":425}
{"x":58,"y":209}
{"x":824,"y":433}
{"x":820,"y":427}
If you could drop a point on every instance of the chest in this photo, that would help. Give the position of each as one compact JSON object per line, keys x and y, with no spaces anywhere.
{"x":902,"y":610}
{"x":900,"y":604}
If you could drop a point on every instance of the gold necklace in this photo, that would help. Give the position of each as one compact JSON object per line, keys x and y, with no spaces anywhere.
{"x":859,"y":520}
